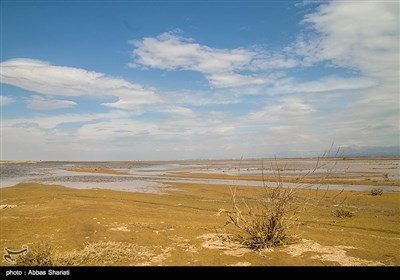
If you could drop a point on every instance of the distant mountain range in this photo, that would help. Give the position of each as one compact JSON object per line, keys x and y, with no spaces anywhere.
{"x":349,"y":151}
{"x":371,"y":151}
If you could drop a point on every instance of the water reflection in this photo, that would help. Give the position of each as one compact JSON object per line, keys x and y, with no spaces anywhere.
{"x":150,"y":176}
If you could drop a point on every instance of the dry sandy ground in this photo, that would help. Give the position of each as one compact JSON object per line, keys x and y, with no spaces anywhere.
{"x":185,"y":225}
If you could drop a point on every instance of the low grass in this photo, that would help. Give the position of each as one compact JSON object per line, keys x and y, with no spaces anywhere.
{"x":342,"y":213}
{"x":41,"y":254}
{"x":105,"y":227}
{"x":376,"y":192}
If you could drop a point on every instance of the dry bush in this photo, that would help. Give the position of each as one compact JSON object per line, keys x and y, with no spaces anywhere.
{"x":375,"y":192}
{"x":265,"y":225}
{"x":267,"y":222}
{"x":96,"y":253}
{"x":342,"y":213}
{"x":104,"y":253}
{"x":40,"y":254}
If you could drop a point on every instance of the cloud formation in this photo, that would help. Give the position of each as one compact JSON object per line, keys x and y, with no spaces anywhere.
{"x":287,"y":109}
{"x":258,"y":102}
{"x":43,"y":103}
{"x":354,"y":34}
{"x":51,"y":80}
{"x":6,"y":100}
{"x":325,"y":84}
{"x":221,"y":67}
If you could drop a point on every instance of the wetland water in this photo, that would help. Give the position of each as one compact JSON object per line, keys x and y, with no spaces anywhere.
{"x":153,"y":176}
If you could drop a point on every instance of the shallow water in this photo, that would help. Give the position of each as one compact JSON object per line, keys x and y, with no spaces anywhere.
{"x":150,"y":176}
{"x":290,"y":185}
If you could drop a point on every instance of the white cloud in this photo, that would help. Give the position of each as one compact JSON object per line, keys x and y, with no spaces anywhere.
{"x":234,"y":80}
{"x":289,"y":109}
{"x":42,"y":103}
{"x":134,"y":99}
{"x":362,"y":35}
{"x":354,"y":37}
{"x":45,"y":122}
{"x":169,"y":51}
{"x":222,"y":67}
{"x":6,"y":100}
{"x":273,"y":60}
{"x":116,"y":134}
{"x":329,"y":83}
{"x":114,"y":129}
{"x":177,"y":111}
{"x":203,"y":98}
{"x":41,"y":77}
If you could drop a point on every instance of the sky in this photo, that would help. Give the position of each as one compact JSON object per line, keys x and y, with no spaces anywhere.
{"x":158,"y":80}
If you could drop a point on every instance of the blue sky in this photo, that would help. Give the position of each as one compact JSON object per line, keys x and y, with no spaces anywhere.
{"x":110,"y":80}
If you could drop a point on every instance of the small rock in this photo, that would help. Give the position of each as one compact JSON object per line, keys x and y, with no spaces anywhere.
{"x":5,"y":206}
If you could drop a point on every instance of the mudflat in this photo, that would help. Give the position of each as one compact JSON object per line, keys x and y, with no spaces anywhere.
{"x":184,"y":225}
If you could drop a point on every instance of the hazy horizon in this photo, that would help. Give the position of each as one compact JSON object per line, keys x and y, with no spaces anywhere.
{"x":366,"y":152}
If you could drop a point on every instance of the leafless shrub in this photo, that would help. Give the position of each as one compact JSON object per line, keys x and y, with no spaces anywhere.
{"x":103,"y":253}
{"x":376,"y":192}
{"x":267,"y":221}
{"x":96,"y":253}
{"x":40,"y":254}
{"x":342,"y":213}
{"x":266,"y":224}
